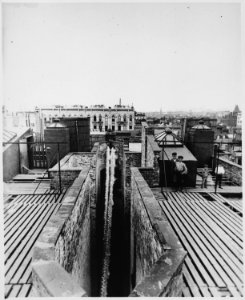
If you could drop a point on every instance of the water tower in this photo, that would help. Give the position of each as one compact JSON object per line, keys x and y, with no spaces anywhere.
{"x":56,"y":133}
{"x":200,"y":142}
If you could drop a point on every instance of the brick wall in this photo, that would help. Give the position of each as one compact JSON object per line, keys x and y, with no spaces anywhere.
{"x":148,"y":174}
{"x":143,"y":143}
{"x":152,"y":158}
{"x":72,"y":249}
{"x":70,"y":168}
{"x":64,"y":244}
{"x":131,"y":159}
{"x":158,"y":257}
{"x":232,"y":170}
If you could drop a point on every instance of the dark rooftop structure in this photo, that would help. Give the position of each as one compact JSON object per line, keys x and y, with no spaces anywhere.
{"x":170,"y":143}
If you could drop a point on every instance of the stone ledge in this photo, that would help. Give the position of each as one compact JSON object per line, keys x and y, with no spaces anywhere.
{"x":55,"y":281}
{"x":158,"y":283}
{"x":165,"y":277}
{"x":152,"y":206}
{"x":49,"y":278}
{"x":231,"y":163}
{"x":154,"y":145}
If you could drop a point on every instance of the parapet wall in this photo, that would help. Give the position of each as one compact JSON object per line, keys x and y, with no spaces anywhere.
{"x":152,"y":158}
{"x":232,"y":170}
{"x":156,"y":265}
{"x":70,"y":169}
{"x":61,"y":255}
{"x":148,"y":174}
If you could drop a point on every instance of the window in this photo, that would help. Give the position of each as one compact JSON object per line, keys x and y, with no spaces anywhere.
{"x":94,"y":118}
{"x":119,"y":128}
{"x":130,"y":118}
{"x":100,"y":118}
{"x":95,"y":127}
{"x":130,"y":127}
{"x":124,"y":118}
{"x":113,"y":128}
{"x":106,"y":127}
{"x":113,"y":118}
{"x":119,"y":118}
{"x":106,"y":119}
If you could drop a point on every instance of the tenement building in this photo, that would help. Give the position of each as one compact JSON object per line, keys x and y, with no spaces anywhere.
{"x":117,"y":118}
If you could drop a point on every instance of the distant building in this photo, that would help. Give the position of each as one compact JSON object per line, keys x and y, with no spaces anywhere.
{"x":231,"y":118}
{"x":139,"y":117}
{"x":102,"y":118}
{"x":239,"y":120}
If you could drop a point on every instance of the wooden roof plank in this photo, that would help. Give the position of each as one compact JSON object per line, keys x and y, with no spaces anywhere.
{"x":220,"y":215}
{"x":233,"y":216}
{"x":196,"y":260}
{"x":213,"y":262}
{"x":219,"y":257}
{"x":191,"y":284}
{"x":25,"y":290}
{"x":23,"y":230}
{"x":25,"y":265}
{"x":223,"y":218}
{"x":212,"y":215}
{"x":7,"y":289}
{"x":27,"y":243}
{"x":24,"y":217}
{"x":223,"y":248}
{"x":193,"y":270}
{"x":15,"y":291}
{"x":11,"y":213}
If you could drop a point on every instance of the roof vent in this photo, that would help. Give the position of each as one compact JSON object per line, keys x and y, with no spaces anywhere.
{"x":168,"y":130}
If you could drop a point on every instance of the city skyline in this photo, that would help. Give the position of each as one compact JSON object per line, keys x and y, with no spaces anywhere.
{"x":169,"y":56}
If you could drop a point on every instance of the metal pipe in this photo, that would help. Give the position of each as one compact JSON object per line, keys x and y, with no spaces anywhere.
{"x":58,"y":157}
{"x":217,"y":164}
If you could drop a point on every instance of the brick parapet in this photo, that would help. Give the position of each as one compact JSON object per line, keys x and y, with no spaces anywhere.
{"x":233,"y":171}
{"x":69,"y":170}
{"x":64,"y":244}
{"x":159,"y":254}
{"x":152,"y":158}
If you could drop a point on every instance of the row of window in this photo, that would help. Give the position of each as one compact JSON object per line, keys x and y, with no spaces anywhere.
{"x":119,"y":128}
{"x":113,"y":118}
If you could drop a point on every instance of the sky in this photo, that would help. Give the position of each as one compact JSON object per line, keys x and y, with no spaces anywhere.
{"x":169,"y":56}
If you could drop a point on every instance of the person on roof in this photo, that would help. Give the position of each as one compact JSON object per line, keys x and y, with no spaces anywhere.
{"x":205,"y":173}
{"x":181,"y":171}
{"x":220,"y":171}
{"x":173,"y":169}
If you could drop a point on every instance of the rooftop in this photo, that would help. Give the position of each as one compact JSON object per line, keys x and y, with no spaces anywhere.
{"x":210,"y":230}
{"x":8,"y":135}
{"x":27,"y":208}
